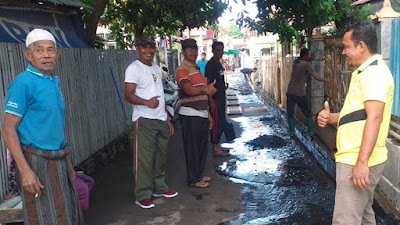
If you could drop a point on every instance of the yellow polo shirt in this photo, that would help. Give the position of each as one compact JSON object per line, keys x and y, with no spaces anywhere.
{"x":371,"y":81}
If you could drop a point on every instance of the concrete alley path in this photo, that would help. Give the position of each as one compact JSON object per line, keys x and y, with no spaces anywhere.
{"x":268,"y":179}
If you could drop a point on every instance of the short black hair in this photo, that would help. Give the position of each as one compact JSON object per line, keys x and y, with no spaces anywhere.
{"x":216,"y":43}
{"x":304,"y":52}
{"x":203,"y":53}
{"x":255,"y":68}
{"x":366,"y":33}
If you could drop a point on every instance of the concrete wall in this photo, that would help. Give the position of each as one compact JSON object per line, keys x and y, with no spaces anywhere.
{"x":389,"y":185}
{"x":316,"y":87}
{"x":384,"y":31}
{"x":390,"y":182}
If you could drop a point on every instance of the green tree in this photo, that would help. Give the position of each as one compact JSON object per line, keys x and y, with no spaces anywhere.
{"x":398,"y":8}
{"x":129,"y":19}
{"x":348,"y":14}
{"x":295,"y":20}
{"x":233,"y":31}
{"x":92,"y":16}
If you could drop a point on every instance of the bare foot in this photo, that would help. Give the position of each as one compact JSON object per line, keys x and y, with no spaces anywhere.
{"x":217,"y":148}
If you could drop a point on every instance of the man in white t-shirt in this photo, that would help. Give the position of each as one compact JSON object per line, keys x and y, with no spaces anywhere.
{"x":152,"y":127}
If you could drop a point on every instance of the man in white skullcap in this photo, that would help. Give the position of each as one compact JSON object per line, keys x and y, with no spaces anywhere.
{"x":34,"y":133}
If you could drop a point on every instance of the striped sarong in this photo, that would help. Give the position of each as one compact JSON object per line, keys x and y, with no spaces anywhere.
{"x":59,"y":203}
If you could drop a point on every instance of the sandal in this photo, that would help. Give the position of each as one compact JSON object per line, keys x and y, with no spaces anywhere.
{"x":200,"y":184}
{"x":206,"y":179}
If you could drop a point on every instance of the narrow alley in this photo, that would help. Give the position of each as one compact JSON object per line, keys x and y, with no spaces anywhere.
{"x":269,"y":178}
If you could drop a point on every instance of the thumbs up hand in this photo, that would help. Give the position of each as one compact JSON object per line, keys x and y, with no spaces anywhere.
{"x":210,"y":89}
{"x":324,"y":115}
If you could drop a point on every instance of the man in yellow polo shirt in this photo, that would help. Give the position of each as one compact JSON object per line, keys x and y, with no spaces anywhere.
{"x":363,"y":125}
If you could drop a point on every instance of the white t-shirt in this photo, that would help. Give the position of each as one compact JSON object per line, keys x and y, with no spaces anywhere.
{"x":148,"y":82}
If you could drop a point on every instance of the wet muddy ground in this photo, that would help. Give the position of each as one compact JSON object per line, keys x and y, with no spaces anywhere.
{"x":268,"y":179}
{"x":282,"y":182}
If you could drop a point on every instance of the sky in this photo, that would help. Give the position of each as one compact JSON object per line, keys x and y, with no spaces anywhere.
{"x":236,"y":8}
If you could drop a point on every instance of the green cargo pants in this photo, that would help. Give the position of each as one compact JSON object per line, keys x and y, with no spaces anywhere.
{"x":149,"y":157}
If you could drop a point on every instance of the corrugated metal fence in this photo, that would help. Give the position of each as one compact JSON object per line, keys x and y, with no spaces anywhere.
{"x":395,"y":64}
{"x":94,"y":116}
{"x":395,"y":68}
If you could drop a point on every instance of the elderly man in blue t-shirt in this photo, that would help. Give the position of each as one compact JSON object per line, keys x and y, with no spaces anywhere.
{"x":34,"y":133}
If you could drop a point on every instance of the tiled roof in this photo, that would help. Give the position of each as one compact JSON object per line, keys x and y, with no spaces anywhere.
{"x":360,"y":2}
{"x":74,"y":3}
{"x":209,"y":34}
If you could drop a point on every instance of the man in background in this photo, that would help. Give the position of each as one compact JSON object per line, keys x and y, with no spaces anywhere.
{"x":215,"y":72}
{"x":295,"y":92}
{"x":202,"y":63}
{"x":245,"y":78}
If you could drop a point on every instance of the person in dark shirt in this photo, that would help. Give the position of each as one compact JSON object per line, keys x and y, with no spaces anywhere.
{"x":245,"y":78}
{"x":215,"y":71}
{"x":295,"y":92}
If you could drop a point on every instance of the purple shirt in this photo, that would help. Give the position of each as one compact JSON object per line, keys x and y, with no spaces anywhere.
{"x":301,"y":69}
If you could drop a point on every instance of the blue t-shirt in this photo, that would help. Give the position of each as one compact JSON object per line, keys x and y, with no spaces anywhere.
{"x":37,"y":99}
{"x":202,"y":66}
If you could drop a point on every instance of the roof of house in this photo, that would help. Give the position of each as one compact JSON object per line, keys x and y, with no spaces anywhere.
{"x":360,"y":2}
{"x":376,"y":5}
{"x":73,"y":3}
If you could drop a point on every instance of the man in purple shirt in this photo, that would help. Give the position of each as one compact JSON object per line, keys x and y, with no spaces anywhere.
{"x":295,"y":92}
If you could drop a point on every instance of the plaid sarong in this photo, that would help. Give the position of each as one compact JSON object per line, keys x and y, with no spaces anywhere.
{"x":59,"y":203}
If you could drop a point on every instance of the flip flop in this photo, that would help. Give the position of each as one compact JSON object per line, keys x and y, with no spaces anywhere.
{"x":206,"y":179}
{"x":200,"y":184}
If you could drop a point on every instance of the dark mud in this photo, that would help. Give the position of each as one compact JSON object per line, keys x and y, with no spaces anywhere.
{"x":282,"y":182}
{"x":266,"y":141}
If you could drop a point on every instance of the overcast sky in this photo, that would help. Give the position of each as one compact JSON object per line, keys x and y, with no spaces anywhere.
{"x":236,"y":8}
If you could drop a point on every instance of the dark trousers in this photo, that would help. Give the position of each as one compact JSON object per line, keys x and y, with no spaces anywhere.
{"x":301,"y":102}
{"x":195,"y":142}
{"x":219,"y":119}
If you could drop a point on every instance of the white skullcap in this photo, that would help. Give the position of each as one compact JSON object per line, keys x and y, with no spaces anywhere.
{"x":39,"y":35}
